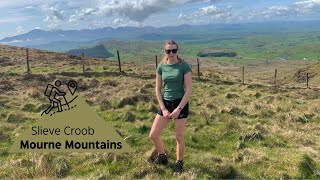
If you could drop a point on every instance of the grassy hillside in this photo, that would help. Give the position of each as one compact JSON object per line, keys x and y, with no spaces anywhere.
{"x":98,"y":51}
{"x":234,"y":130}
{"x":293,"y":46}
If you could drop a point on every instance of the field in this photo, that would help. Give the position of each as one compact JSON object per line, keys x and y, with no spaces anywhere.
{"x":252,"y":130}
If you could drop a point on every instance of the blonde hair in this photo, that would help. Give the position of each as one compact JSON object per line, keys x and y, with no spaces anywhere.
{"x":165,"y":59}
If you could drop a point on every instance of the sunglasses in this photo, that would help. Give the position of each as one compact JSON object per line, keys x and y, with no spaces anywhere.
{"x":168,"y":51}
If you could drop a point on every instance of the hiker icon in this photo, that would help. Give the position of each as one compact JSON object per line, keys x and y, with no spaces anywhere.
{"x":55,"y":96}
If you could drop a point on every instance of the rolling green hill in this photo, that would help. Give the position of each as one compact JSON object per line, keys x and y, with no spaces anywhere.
{"x":253,"y":47}
{"x":98,"y":51}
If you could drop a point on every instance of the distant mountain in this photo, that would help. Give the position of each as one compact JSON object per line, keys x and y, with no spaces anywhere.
{"x":64,"y":40}
{"x":40,"y":37}
{"x":98,"y":51}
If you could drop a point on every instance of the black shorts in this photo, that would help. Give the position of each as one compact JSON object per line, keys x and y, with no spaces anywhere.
{"x":171,"y":105}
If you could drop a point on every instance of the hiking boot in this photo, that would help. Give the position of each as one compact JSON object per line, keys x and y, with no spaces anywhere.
{"x":161,"y":159}
{"x":178,"y":167}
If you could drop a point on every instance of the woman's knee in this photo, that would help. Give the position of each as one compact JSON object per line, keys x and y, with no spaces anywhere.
{"x":153,"y":136}
{"x":179,"y":138}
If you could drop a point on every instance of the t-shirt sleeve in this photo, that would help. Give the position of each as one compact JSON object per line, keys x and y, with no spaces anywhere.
{"x":159,"y":69}
{"x":186,"y":68}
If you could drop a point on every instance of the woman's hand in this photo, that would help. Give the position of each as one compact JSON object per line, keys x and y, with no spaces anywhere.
{"x":175,"y":114}
{"x":166,"y":113}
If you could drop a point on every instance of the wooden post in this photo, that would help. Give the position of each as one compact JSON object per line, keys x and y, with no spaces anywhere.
{"x":82,"y":59}
{"x":156,"y":61}
{"x":28,"y":67}
{"x":275,"y":77}
{"x":307,"y":80}
{"x":198,"y":68}
{"x":119,"y":60}
{"x":242,"y":74}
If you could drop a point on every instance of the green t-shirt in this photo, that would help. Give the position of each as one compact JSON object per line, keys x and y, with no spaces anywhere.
{"x":173,"y":78}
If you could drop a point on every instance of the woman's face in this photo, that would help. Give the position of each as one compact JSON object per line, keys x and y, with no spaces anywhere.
{"x":171,"y":47}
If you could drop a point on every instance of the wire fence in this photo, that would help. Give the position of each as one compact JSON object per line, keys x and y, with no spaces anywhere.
{"x":243,"y":76}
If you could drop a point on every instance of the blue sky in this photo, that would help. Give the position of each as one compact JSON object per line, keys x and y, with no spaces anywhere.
{"x":21,"y":16}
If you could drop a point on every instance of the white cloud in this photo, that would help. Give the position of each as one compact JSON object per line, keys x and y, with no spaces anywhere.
{"x":307,"y":6}
{"x":291,"y":10}
{"x":88,"y":11}
{"x":212,"y":12}
{"x":81,"y":15}
{"x":101,"y":13}
{"x":106,"y":10}
{"x":139,"y":10}
{"x":29,"y":7}
{"x":185,"y":18}
{"x":118,"y":22}
{"x":53,"y":17}
{"x":278,"y":11}
{"x":133,"y":10}
{"x":226,"y":17}
{"x":20,"y":30}
{"x":55,"y":13}
{"x":73,"y":19}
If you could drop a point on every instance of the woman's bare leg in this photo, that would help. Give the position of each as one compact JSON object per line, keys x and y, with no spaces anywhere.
{"x":179,"y":127}
{"x":158,"y":125}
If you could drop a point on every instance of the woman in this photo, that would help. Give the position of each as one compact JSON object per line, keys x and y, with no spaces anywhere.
{"x":176,"y":75}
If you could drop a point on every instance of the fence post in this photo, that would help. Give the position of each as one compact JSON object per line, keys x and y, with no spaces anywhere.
{"x":156,"y":61}
{"x":119,"y":60}
{"x":242,"y":74}
{"x":82,"y":59}
{"x":28,"y":67}
{"x":198,"y":68}
{"x":307,"y":80}
{"x":275,"y":77}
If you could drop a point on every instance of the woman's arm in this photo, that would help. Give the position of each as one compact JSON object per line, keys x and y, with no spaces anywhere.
{"x":188,"y":87}
{"x":158,"y":90}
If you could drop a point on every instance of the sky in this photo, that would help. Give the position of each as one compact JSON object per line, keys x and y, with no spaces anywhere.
{"x":21,"y":16}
